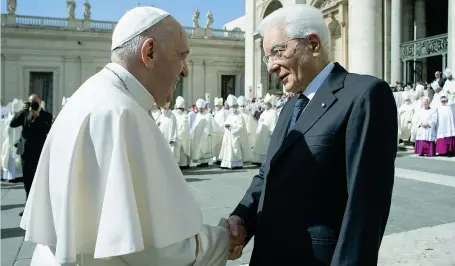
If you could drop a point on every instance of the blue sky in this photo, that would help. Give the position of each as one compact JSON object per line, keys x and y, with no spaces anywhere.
{"x":112,"y":10}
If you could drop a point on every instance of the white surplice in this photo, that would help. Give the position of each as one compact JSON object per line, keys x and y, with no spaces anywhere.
{"x":235,"y":149}
{"x":201,"y":144}
{"x":266,"y":125}
{"x":449,"y":90}
{"x":107,"y":186}
{"x":425,"y":116}
{"x":406,"y":114}
{"x":168,"y":126}
{"x":250,"y":126}
{"x":217,"y":137}
{"x":446,"y":121}
{"x":436,"y":102}
{"x":183,"y":144}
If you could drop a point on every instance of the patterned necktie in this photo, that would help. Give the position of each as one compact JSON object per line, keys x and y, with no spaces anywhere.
{"x":299,"y":105}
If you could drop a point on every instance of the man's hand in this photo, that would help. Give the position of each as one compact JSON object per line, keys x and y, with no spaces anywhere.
{"x":237,"y":235}
{"x":35,"y":113}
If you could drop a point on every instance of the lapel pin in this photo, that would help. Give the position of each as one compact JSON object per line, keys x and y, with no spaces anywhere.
{"x":323,"y":105}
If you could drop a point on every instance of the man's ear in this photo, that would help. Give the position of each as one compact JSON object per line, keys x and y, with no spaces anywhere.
{"x":148,"y":52}
{"x":315,"y":43}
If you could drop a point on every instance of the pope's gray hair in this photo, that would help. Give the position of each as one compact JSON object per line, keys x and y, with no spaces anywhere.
{"x":159,"y":32}
{"x":299,"y":21}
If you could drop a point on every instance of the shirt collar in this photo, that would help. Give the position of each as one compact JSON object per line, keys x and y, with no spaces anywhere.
{"x":316,"y":83}
{"x":136,"y":90}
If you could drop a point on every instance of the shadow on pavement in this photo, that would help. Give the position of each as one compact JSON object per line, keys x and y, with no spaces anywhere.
{"x":12,"y":206}
{"x":12,"y":232}
{"x":211,"y":172}
{"x":196,"y":179}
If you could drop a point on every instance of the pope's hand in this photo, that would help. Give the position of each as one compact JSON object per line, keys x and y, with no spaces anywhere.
{"x":237,"y":235}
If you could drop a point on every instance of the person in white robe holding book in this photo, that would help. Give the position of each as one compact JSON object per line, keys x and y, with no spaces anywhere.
{"x":107,"y":189}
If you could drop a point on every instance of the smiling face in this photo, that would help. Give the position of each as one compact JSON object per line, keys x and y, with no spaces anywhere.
{"x":291,"y":60}
{"x":165,"y":60}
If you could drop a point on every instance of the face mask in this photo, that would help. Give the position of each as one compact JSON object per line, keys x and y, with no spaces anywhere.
{"x":232,"y":109}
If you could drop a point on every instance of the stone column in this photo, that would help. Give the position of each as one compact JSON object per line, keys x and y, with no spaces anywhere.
{"x":365,"y":35}
{"x":250,"y":13}
{"x":387,"y":40}
{"x":395,"y":68}
{"x":420,"y":30}
{"x":451,"y":36}
{"x":198,"y":80}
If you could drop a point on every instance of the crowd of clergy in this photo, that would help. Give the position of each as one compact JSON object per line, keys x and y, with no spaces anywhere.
{"x":236,"y":131}
{"x":229,"y":134}
{"x":426,"y":115}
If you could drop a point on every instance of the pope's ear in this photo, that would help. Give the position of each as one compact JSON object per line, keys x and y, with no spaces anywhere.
{"x":148,"y":52}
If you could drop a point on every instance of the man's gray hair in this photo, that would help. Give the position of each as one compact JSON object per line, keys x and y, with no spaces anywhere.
{"x":299,"y":21}
{"x":159,"y":32}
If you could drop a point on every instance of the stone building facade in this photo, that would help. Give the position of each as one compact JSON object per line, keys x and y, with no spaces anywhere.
{"x":397,"y":40}
{"x":54,"y":56}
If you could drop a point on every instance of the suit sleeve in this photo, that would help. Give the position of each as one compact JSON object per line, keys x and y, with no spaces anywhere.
{"x":248,"y":206}
{"x":371,"y":147}
{"x":18,"y":120}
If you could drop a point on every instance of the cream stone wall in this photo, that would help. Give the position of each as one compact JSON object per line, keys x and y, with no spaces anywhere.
{"x":73,"y":56}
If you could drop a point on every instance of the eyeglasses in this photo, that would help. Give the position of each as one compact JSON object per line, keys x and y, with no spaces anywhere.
{"x":277,"y":51}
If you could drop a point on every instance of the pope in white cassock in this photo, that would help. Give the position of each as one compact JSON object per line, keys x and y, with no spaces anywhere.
{"x":424,"y":125}
{"x":406,"y":114}
{"x":183,"y":144}
{"x":266,"y":125}
{"x":220,"y":115}
{"x":168,"y":126}
{"x":249,"y":120}
{"x":445,"y":143}
{"x":107,"y":189}
{"x":203,"y":129}
{"x":235,"y":149}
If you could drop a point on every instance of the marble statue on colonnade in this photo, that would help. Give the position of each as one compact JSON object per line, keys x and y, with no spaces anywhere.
{"x":196,"y":18}
{"x":11,"y":6}
{"x":71,"y":9}
{"x":87,"y":12}
{"x":209,"y":17}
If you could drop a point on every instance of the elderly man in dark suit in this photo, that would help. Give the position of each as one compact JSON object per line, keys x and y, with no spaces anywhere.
{"x":36,"y":124}
{"x":323,"y":195}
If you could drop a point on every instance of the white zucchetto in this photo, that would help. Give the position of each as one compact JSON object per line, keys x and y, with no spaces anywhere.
{"x":134,"y":22}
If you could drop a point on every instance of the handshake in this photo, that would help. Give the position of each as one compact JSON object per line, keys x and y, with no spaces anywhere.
{"x":237,"y":235}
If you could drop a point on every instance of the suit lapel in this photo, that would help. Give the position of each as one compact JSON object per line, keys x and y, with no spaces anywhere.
{"x":322,"y":101}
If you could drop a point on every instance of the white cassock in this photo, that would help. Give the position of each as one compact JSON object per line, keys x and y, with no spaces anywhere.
{"x":449,"y":90}
{"x":201,"y":133}
{"x":446,"y":121}
{"x":220,"y":117}
{"x":436,"y":102}
{"x":191,"y":119}
{"x":10,"y":161}
{"x":156,"y":113}
{"x":107,"y":189}
{"x":168,"y":126}
{"x":425,"y":116}
{"x":183,"y":144}
{"x":235,"y":149}
{"x":266,"y":125}
{"x":250,"y":123}
{"x":406,"y":114}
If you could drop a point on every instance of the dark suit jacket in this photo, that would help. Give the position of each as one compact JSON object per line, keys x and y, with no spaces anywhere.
{"x":323,"y":195}
{"x":34,"y":132}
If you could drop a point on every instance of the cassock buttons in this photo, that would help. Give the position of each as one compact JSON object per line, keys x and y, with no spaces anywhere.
{"x":323,"y":105}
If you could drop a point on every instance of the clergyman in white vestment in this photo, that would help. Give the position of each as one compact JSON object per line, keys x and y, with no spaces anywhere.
{"x":107,"y":189}
{"x":183,"y":144}
{"x":445,"y":134}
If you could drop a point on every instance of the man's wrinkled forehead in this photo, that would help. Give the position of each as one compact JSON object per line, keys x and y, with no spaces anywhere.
{"x":274,"y":35}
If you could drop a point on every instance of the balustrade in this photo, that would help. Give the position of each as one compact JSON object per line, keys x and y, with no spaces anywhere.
{"x":19,"y":21}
